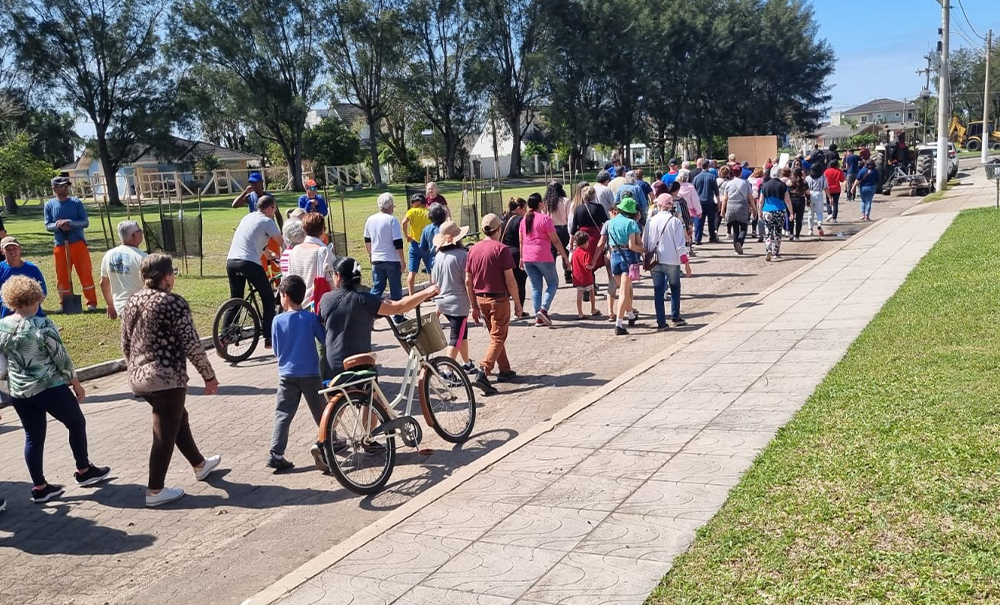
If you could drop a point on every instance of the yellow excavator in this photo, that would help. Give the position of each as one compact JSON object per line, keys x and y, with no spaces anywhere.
{"x":971,"y":137}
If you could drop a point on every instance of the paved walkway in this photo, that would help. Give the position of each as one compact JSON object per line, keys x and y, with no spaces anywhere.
{"x":593,"y":508}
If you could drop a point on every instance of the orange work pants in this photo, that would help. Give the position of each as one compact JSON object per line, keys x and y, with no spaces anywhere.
{"x":79,"y":257}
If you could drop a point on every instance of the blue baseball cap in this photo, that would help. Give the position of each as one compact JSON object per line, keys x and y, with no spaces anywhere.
{"x":255,"y":177}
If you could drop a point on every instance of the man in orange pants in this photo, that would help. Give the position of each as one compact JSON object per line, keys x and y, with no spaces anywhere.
{"x":66,"y":217}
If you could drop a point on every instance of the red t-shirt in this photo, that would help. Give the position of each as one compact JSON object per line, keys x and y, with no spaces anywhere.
{"x":833,"y":178}
{"x":437,"y":200}
{"x":582,"y":275}
{"x":486,"y":263}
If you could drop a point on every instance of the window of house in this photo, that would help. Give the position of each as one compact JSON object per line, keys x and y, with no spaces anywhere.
{"x":909,"y":115}
{"x":864,"y":119}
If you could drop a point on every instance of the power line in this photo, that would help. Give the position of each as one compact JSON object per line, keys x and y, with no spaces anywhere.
{"x":962,"y":6}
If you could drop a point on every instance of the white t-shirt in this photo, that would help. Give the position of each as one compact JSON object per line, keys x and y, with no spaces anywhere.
{"x":121,"y":266}
{"x":382,"y":230}
{"x":251,"y":237}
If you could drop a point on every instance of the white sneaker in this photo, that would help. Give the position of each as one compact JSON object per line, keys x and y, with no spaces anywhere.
{"x":167,"y":494}
{"x":211,"y":463}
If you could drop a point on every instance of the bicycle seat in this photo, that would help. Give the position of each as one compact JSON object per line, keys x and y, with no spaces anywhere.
{"x":364,"y":361}
{"x":348,"y":377}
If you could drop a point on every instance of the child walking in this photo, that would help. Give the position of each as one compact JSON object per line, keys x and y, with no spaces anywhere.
{"x":294,"y":335}
{"x":583,"y":276}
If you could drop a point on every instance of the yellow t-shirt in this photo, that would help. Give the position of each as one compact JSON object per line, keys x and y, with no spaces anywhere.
{"x":416,"y":219}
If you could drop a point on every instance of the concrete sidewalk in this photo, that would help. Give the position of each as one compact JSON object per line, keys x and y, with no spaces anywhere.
{"x":593,"y":508}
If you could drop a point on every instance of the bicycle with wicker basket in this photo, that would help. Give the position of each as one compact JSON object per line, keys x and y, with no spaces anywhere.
{"x":359,"y":428}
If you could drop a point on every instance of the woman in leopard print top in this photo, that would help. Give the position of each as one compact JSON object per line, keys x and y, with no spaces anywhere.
{"x":158,"y":339}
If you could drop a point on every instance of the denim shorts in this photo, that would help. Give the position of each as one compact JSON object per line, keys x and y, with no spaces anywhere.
{"x":415,"y":257}
{"x":621,"y":259}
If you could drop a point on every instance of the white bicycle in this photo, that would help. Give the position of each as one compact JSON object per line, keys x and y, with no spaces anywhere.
{"x":357,"y":435}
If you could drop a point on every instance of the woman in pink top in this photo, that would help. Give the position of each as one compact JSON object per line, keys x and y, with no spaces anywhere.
{"x":756,"y":180}
{"x":556,"y":206}
{"x":689,"y":196}
{"x":538,"y":238}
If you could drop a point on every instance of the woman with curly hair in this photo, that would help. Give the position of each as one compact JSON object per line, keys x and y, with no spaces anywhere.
{"x":40,"y":374}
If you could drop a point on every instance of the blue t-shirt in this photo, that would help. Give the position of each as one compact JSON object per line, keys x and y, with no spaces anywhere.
{"x":427,"y":247}
{"x":641,"y":201}
{"x":706,"y":186}
{"x":868,"y":178}
{"x":27,"y":269}
{"x":746,"y":173}
{"x":72,"y":210}
{"x":294,"y":336}
{"x":669,"y":177}
{"x":619,"y":230}
{"x":852,"y":163}
{"x":774,"y":192}
{"x":252,"y":200}
{"x":321,"y":206}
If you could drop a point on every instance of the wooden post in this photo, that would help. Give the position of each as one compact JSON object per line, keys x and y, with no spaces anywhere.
{"x":201,"y":240}
{"x":343,"y":214}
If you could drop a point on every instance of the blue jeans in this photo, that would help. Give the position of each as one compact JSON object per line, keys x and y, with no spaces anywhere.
{"x":536,"y":273}
{"x":665,"y":276}
{"x":867,"y":195}
{"x":387,"y":272}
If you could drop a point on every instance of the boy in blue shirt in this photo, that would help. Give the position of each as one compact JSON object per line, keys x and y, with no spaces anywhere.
{"x":294,"y":335}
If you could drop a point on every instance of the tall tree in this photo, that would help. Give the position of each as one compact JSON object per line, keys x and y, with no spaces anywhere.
{"x":511,"y":41}
{"x":365,"y":55}
{"x":261,"y":57}
{"x":577,"y":83}
{"x":103,"y":59}
{"x":441,"y":37}
{"x":622,"y":61}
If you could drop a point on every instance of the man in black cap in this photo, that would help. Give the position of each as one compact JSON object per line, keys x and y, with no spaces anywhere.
{"x":66,"y":219}
{"x":671,"y":175}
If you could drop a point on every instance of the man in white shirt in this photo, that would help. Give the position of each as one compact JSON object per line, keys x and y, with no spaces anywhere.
{"x":120,"y":277}
{"x":384,"y":242}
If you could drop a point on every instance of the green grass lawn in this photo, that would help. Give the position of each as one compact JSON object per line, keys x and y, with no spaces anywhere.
{"x":92,"y":338}
{"x":885,"y":487}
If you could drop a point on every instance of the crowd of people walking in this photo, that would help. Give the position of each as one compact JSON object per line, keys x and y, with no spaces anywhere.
{"x":604,"y":236}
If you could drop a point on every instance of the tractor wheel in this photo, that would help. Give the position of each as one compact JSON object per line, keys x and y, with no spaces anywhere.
{"x":995,"y":146}
{"x":925,"y":166}
{"x":973,"y":145}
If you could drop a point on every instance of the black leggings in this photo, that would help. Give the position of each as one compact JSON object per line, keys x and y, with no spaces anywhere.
{"x":562,"y":232}
{"x":799,"y":208}
{"x":60,"y":403}
{"x":242,"y":271}
{"x":520,"y":275}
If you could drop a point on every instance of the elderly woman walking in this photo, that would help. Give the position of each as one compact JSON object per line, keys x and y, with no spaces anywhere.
{"x":40,"y":376}
{"x":312,"y":260}
{"x":538,"y":238}
{"x":665,"y":237}
{"x":158,"y":339}
{"x":737,"y":204}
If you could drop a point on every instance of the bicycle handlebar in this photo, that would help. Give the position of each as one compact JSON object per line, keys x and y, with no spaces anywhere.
{"x":411,"y":336}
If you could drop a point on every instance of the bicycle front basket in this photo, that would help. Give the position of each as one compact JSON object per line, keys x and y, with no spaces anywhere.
{"x":431,"y":338}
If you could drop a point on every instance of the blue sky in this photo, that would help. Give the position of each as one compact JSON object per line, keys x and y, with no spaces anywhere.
{"x":880,"y":44}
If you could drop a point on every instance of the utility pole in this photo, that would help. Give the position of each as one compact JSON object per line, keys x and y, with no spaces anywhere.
{"x":985,"y":153}
{"x":925,"y":94}
{"x":944,"y":94}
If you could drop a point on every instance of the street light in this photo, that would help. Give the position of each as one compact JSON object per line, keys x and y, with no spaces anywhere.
{"x":925,"y":96}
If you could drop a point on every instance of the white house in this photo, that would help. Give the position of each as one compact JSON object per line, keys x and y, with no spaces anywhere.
{"x":348,"y":114}
{"x":876,"y":111}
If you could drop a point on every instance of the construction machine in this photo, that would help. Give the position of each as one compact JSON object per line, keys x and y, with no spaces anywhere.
{"x":971,"y":137}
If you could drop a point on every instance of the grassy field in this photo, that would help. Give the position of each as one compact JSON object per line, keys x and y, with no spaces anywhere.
{"x":884,"y":487}
{"x":92,"y":338}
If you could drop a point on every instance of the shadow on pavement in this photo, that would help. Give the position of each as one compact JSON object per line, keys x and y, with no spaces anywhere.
{"x":62,"y":533}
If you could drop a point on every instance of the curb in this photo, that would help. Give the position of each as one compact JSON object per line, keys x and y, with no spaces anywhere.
{"x":107,"y":368}
{"x":323,"y":561}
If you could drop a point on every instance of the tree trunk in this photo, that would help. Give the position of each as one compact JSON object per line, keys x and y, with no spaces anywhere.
{"x":451,"y":154}
{"x":296,"y":165}
{"x":373,"y":149}
{"x":514,"y":123}
{"x":10,"y":202}
{"x":109,"y":170}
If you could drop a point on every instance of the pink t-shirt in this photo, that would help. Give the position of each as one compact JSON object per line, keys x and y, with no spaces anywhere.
{"x":536,"y":247}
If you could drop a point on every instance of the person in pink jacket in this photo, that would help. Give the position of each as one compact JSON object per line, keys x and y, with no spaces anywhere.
{"x":688,"y":195}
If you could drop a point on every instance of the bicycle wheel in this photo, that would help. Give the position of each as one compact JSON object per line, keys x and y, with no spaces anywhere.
{"x":236,"y":340}
{"x":447,"y":399}
{"x":363,"y":463}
